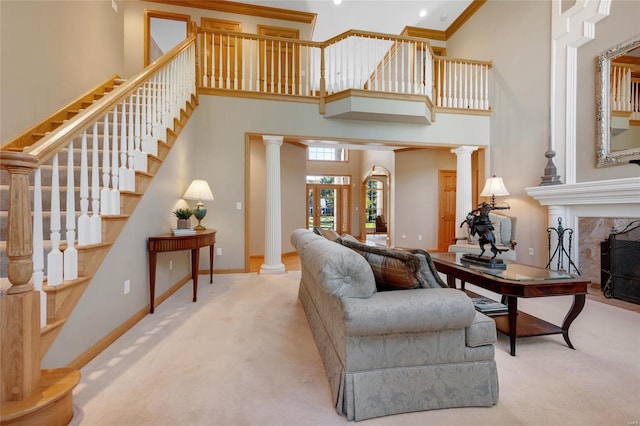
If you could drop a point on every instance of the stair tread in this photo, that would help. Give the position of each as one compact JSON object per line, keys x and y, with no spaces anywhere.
{"x":54,"y":385}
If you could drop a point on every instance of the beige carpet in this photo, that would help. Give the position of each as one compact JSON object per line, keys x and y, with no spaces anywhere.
{"x":244,"y":355}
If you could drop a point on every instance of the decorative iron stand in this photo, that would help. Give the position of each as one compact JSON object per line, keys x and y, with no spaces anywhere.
{"x":560,"y":251}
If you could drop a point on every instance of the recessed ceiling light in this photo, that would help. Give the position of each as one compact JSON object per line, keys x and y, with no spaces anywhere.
{"x":423,"y":13}
{"x":337,"y":1}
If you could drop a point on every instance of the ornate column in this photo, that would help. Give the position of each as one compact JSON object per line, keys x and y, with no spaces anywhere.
{"x":463,"y":184}
{"x":272,"y":226}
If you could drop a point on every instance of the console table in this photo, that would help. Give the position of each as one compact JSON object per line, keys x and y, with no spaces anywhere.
{"x":518,"y":280}
{"x":170,"y":242}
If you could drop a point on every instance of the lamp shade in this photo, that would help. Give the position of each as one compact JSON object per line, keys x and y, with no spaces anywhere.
{"x":493,"y":187}
{"x":198,"y":190}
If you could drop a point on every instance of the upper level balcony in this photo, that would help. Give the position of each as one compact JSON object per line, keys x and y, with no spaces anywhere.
{"x":356,"y":76}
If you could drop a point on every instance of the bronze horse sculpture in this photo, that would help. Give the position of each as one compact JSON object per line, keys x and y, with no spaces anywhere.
{"x":479,"y":224}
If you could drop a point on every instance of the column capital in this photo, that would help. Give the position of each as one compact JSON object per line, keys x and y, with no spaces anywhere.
{"x":464,"y":149}
{"x":272,"y":140}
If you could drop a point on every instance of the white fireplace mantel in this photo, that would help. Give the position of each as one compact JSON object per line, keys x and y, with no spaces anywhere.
{"x":624,"y":191}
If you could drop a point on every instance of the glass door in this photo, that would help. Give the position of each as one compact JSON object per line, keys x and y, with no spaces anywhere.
{"x":328,"y":207}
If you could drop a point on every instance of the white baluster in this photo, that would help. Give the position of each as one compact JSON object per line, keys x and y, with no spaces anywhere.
{"x":84,"y":226}
{"x":140,"y":158}
{"x":105,"y":193}
{"x":486,"y":87}
{"x":70,"y":261}
{"x":123,"y":173}
{"x":38,"y":245}
{"x":114,"y":200}
{"x":54,"y":258}
{"x":149,"y":142}
{"x":476,"y":85}
{"x":131,"y":163}
{"x":96,"y":219}
{"x":161,"y":114}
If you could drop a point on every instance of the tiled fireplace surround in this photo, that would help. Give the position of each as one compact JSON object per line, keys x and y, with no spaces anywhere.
{"x":591,"y":209}
{"x":592,"y":231}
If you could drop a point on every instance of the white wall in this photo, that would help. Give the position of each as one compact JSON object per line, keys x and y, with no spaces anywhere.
{"x":134,"y":27}
{"x":49,"y":56}
{"x":518,"y":44}
{"x":622,"y":24}
{"x":416,"y":196}
{"x":104,"y":306}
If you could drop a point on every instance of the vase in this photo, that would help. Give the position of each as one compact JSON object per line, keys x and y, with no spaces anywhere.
{"x":184,"y":223}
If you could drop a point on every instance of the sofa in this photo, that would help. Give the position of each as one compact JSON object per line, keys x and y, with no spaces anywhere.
{"x":392,"y":336}
{"x":503,"y":232}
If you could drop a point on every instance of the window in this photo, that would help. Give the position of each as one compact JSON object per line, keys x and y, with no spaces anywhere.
{"x":327,"y":154}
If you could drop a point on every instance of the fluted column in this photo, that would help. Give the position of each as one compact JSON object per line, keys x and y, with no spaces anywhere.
{"x":463,"y":184}
{"x":272,"y":226}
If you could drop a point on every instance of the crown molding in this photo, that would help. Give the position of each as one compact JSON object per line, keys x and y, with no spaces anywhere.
{"x":244,"y":9}
{"x":444,"y":35}
{"x":464,"y":17}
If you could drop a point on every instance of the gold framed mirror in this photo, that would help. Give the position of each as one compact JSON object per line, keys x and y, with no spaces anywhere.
{"x":618,"y":104}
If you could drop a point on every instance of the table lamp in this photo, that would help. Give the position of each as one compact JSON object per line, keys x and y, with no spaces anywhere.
{"x":494,"y":186}
{"x":199,"y":190}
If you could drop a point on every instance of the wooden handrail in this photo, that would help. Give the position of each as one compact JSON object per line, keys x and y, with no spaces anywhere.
{"x":58,"y":139}
{"x":19,"y":142}
{"x":464,"y":61}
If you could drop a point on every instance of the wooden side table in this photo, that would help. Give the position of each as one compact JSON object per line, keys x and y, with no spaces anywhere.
{"x":170,"y":242}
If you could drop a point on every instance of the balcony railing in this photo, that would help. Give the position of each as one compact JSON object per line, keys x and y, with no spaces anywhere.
{"x":352,"y":60}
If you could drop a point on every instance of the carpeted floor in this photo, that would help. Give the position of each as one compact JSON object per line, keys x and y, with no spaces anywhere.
{"x":244,"y":355}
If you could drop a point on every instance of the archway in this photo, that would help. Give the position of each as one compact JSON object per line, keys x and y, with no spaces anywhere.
{"x":375,"y":206}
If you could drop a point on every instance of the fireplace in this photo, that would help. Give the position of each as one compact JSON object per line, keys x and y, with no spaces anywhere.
{"x":620,"y":263}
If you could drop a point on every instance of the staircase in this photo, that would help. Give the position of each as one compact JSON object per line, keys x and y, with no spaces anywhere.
{"x":150,"y":109}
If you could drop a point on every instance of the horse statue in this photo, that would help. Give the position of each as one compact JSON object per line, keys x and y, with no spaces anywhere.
{"x":479,"y":223}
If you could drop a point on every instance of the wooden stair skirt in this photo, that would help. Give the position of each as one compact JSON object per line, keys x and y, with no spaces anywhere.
{"x":50,"y":404}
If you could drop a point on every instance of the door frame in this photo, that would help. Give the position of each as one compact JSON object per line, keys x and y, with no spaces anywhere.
{"x":159,"y":14}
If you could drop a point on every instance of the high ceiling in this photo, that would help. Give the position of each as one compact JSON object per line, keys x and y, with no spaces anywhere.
{"x":383,"y":16}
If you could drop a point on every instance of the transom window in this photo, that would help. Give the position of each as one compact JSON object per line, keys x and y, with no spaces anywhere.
{"x":315,"y":153}
{"x":336,"y":180}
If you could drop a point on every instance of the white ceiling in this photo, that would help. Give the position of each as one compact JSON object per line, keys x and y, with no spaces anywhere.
{"x":383,"y":16}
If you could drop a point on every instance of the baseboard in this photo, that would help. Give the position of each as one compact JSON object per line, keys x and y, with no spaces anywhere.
{"x":107,"y":340}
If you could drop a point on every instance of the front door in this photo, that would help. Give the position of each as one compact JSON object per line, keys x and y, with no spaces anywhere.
{"x":328,"y":207}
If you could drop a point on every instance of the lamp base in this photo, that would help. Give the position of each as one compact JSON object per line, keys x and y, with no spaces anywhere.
{"x":199,"y":214}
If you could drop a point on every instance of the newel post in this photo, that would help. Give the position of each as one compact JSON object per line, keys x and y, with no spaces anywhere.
{"x":20,"y":306}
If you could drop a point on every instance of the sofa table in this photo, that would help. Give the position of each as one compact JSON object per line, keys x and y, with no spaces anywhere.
{"x":518,"y":280}
{"x":170,"y":242}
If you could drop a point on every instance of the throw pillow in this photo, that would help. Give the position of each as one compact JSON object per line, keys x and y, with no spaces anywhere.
{"x":330,"y":234}
{"x":428,"y":272}
{"x":349,"y":237}
{"x":393,"y":269}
